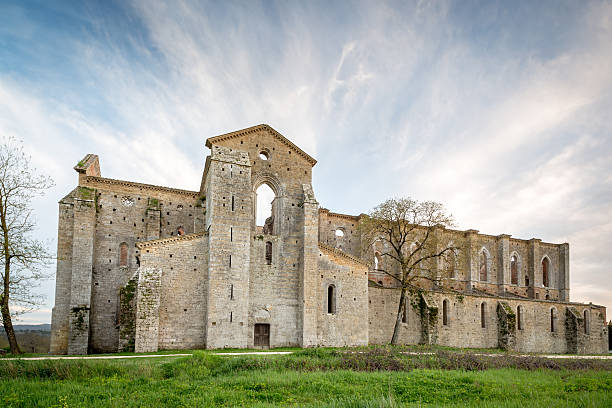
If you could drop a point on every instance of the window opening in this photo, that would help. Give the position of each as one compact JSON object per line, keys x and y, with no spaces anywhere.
{"x":445,"y":312}
{"x":545,"y":271}
{"x":232,"y":203}
{"x":587,"y":323}
{"x":123,"y":254}
{"x":231,"y":234}
{"x":269,"y":253}
{"x":553,"y":320}
{"x":519,"y":317}
{"x":232,"y":292}
{"x":263,"y":155}
{"x":230,"y":261}
{"x":339,"y":233}
{"x":483,"y":315}
{"x":331,"y":299}
{"x":180,"y":231}
{"x":483,"y":266}
{"x":514,"y":270}
{"x":377,"y":262}
{"x":265,"y":209}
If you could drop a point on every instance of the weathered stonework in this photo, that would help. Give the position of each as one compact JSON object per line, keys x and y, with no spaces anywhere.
{"x":143,"y":267}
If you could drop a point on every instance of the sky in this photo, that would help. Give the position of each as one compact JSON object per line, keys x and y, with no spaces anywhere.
{"x":500,"y":110}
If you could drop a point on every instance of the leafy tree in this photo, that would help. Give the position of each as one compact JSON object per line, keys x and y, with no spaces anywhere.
{"x":402,"y":231}
{"x":22,"y":256}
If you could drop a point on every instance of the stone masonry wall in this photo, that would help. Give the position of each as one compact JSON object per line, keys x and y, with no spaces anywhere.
{"x":464,"y":328}
{"x":183,"y":284}
{"x":346,"y":325}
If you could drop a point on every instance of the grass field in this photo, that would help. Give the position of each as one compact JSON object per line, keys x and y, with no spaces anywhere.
{"x":369,"y":377}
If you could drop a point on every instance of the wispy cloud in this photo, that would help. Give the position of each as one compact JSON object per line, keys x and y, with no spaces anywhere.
{"x":499,"y":112}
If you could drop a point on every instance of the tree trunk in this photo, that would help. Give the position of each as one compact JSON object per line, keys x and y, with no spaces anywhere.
{"x":398,"y":319}
{"x":8,"y":324}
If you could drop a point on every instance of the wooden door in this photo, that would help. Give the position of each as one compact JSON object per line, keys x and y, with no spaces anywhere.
{"x":262,"y":335}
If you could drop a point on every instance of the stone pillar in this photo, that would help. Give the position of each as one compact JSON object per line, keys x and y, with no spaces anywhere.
{"x":506,"y":326}
{"x":82,"y":264}
{"x":153,"y":219}
{"x":471,"y":257}
{"x":564,"y":283}
{"x":147,"y":310}
{"x":229,"y":179}
{"x":308,"y":278}
{"x":503,"y":264}
{"x":533,"y":266}
{"x":60,"y":327}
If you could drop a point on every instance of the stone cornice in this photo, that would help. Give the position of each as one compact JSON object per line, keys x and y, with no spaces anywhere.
{"x":170,"y":240}
{"x":102,"y":180}
{"x":338,"y":215}
{"x":336,"y":251}
{"x":254,"y":129}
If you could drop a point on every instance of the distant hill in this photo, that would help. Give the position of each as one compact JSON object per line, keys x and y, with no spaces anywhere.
{"x":32,"y":338}
{"x":25,"y":327}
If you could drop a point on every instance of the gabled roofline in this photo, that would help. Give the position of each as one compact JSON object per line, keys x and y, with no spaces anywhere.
{"x":253,"y":129}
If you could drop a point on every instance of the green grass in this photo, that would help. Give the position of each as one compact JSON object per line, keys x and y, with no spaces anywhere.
{"x":376,"y":377}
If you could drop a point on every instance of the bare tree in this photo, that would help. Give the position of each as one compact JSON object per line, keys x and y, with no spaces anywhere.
{"x":23,"y":257}
{"x":402,"y":231}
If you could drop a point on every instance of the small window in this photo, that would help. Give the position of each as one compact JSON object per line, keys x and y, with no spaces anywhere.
{"x":519,"y":317}
{"x":445,"y":312}
{"x":263,"y":155}
{"x":269,"y":253}
{"x":514,"y":270}
{"x":526,"y":280}
{"x":483,"y":315}
{"x":339,"y":233}
{"x":553,"y":320}
{"x":587,"y":323}
{"x":123,"y":254}
{"x":331,"y":299}
{"x":180,"y":231}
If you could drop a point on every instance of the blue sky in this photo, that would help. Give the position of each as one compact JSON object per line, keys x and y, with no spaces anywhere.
{"x":500,"y":110}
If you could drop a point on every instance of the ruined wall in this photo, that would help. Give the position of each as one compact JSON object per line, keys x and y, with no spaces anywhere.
{"x":330,"y":222}
{"x":346,"y":323}
{"x":127,"y":213}
{"x":183,"y":284}
{"x":464,"y":325}
{"x":60,"y":313}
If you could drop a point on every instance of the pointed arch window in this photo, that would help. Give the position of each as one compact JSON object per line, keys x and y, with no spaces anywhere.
{"x":545,"y":272}
{"x":514,"y":270}
{"x":483,"y":265}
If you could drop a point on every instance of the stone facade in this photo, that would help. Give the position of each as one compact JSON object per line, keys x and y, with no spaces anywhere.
{"x":142,"y":267}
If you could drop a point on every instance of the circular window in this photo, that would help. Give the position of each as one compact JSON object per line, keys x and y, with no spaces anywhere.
{"x":263,"y":155}
{"x":339,"y":233}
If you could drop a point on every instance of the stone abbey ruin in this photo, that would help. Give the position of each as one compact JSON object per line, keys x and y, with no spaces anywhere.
{"x":144,"y":268}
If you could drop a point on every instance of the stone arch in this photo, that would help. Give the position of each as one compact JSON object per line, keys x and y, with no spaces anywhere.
{"x":445,"y":316}
{"x":484,"y":264}
{"x":331,"y":299}
{"x":271,"y":181}
{"x":515,"y":268}
{"x":546,"y":267}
